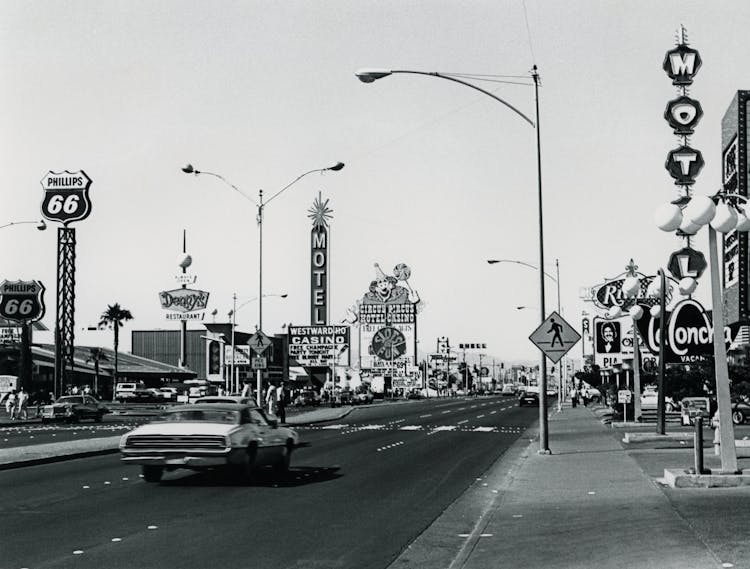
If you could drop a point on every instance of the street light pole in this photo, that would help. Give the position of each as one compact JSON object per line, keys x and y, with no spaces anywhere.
{"x":371,"y":75}
{"x":260,"y":205}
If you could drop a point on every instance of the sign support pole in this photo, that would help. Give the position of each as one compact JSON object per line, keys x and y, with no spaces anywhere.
{"x":726,"y":428}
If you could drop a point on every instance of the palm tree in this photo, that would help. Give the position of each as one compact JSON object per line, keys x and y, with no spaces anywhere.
{"x":113,"y":319}
{"x":97,"y":355}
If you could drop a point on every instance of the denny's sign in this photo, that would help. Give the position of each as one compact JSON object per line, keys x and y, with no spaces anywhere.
{"x":689,"y":333}
{"x":185,"y":303}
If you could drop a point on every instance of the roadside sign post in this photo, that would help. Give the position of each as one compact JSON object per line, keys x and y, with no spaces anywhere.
{"x":554,"y":337}
{"x":259,"y":343}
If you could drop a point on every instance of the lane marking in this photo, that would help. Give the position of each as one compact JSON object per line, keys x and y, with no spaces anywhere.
{"x":464,"y":421}
{"x":333,"y":427}
{"x":411,"y":428}
{"x":423,"y":416}
{"x":480,"y":416}
{"x":444,"y":412}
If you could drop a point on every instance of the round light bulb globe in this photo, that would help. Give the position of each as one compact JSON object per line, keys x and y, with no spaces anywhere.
{"x":668,"y":217}
{"x":687,"y":285}
{"x":636,"y":312}
{"x":688,"y":227}
{"x":655,"y":311}
{"x":631,"y":286}
{"x":700,"y":210}
{"x":184,"y":260}
{"x":725,"y":219}
{"x":743,"y":222}
{"x":614,"y":312}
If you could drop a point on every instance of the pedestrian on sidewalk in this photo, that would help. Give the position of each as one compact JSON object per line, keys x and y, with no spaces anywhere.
{"x":23,"y":402}
{"x":281,"y":403}
{"x":10,"y":405}
{"x":271,"y":400}
{"x":574,"y":397}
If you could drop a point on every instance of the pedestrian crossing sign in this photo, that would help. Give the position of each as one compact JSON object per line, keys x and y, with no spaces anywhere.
{"x":259,"y":342}
{"x":555,"y":337}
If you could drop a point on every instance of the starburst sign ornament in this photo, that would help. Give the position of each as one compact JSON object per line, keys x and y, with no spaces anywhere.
{"x":320,"y":213}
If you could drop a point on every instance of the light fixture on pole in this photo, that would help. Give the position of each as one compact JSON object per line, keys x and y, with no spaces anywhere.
{"x":371,"y":75}
{"x":260,"y":206}
{"x":561,"y":383}
{"x":40,"y":225}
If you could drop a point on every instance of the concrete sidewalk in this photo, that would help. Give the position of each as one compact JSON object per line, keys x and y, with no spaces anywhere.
{"x":17,"y":457}
{"x":587,"y":505}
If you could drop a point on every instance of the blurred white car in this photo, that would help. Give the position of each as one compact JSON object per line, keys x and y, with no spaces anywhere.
{"x":650,"y":400}
{"x":210,"y":435}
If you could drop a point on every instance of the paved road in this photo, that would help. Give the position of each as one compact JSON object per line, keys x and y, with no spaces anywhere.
{"x":362,"y":490}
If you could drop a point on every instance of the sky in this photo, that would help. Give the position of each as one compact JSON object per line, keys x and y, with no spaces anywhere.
{"x":438,"y":176}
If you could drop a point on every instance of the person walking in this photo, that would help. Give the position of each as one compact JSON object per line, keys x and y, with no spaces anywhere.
{"x":271,"y":400}
{"x":10,"y":405}
{"x":281,"y":404}
{"x":23,"y":402}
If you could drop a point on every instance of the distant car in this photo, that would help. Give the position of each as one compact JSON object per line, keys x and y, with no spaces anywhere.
{"x":74,"y":408}
{"x":363,"y":398}
{"x":650,"y":399}
{"x":149,"y":395}
{"x":528,"y":399}
{"x":414,"y":394}
{"x":508,"y":389}
{"x":233,"y":436}
{"x":168,"y":393}
{"x":306,"y":398}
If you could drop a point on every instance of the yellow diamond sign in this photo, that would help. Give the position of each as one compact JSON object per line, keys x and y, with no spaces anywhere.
{"x":555,"y":337}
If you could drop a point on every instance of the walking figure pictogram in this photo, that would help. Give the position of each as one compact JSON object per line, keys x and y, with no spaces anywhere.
{"x":556,"y":329}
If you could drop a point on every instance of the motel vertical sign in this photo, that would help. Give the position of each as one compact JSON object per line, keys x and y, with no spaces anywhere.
{"x":320,"y":214}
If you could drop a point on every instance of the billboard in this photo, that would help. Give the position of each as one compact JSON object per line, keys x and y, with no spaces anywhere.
{"x":319,"y":345}
{"x":388,"y":323}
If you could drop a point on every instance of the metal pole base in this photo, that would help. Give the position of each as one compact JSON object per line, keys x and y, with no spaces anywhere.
{"x":544,"y":451}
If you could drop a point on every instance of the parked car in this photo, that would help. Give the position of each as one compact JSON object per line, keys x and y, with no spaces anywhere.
{"x":740,"y":411}
{"x":126,"y":389}
{"x":149,"y":395}
{"x":74,"y":408}
{"x":528,"y":398}
{"x":650,"y":399}
{"x":306,"y":398}
{"x":232,"y":436}
{"x":168,"y":393}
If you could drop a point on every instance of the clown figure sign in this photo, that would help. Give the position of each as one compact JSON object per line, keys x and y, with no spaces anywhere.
{"x":388,"y":323}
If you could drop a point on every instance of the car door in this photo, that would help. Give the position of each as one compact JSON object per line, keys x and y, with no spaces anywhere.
{"x":269,"y":443}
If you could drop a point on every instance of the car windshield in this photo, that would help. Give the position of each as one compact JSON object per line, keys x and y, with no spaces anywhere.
{"x":203,"y":415}
{"x":70,"y":399}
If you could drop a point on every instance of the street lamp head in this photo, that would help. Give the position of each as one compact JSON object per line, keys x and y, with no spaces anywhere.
{"x":336,"y":167}
{"x":41,"y":226}
{"x":284,"y":295}
{"x":189,"y":169}
{"x":371,"y":75}
{"x":492,"y":261}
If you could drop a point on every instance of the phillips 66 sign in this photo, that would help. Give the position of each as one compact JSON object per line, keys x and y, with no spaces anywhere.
{"x":22,"y":300}
{"x":66,"y":196}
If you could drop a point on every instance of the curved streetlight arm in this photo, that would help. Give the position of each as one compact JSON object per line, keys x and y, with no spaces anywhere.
{"x":40,"y":225}
{"x":264,"y":296}
{"x":494,"y":261}
{"x":190,"y":170}
{"x":338,"y":166}
{"x":368,"y":76}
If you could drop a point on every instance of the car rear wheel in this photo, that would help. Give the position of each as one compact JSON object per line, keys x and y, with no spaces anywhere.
{"x":737,"y":417}
{"x":152,"y":473}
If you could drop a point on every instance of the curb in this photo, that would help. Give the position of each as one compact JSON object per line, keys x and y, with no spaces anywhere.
{"x":57,"y":458}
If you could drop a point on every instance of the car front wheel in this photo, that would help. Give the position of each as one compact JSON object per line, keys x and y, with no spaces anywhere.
{"x":152,"y":473}
{"x":737,"y":417}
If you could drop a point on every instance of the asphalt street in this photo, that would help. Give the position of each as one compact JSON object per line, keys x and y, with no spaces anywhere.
{"x":357,"y":495}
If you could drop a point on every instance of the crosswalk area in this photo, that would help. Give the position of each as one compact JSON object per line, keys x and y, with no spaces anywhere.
{"x":346,"y":429}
